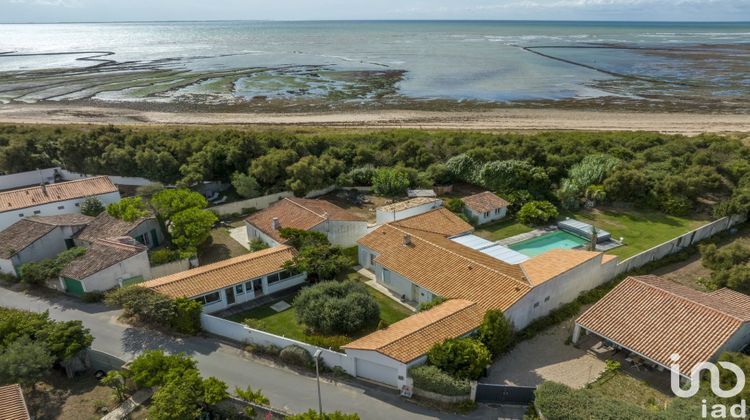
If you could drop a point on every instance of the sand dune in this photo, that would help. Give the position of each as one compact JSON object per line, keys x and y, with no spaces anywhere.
{"x":499,"y":119}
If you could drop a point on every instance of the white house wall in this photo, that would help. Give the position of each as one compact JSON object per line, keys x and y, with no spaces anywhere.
{"x":111,"y":277}
{"x":48,"y":246}
{"x":255,"y":233}
{"x":558,"y":291}
{"x":481,"y":219}
{"x":7,"y":218}
{"x":249,"y":295}
{"x":343,"y":233}
{"x":383,"y":217}
{"x":7,"y":267}
{"x":380,"y":359}
{"x":738,"y":341}
{"x":146,"y":227}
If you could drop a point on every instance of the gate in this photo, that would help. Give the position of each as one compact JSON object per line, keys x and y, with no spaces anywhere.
{"x":505,"y":394}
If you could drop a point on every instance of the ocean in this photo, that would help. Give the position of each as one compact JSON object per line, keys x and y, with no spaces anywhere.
{"x":375,"y":62}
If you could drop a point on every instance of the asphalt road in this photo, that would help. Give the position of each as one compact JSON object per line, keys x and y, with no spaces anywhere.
{"x":285,"y":388}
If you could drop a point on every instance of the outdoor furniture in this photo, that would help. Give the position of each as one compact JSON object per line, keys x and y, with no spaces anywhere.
{"x":223,"y":199}
{"x":213,"y":197}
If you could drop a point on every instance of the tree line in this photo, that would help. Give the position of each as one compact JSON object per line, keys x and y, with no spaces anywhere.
{"x":673,"y":173}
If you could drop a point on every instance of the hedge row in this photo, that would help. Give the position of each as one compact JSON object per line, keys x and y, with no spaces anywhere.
{"x":430,"y":378}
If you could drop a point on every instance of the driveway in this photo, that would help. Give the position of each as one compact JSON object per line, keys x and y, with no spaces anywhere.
{"x":285,"y":388}
{"x":546,"y":357}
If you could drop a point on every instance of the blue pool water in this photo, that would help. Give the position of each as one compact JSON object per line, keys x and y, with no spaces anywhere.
{"x":560,"y":239}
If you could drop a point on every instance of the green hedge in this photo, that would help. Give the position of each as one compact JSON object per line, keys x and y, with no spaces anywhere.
{"x":557,"y":401}
{"x":296,"y":355}
{"x":430,"y":378}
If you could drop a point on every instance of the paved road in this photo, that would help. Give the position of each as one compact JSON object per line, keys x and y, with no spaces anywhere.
{"x":283,"y":387}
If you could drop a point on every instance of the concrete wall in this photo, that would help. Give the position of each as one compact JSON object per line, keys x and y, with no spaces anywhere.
{"x":7,"y":267}
{"x":482,"y":219}
{"x":343,"y":233}
{"x":565,"y":288}
{"x":113,"y":276}
{"x":244,"y":334}
{"x":383,"y":217}
{"x":248,"y":294}
{"x":27,"y":179}
{"x":679,"y":243}
{"x":51,"y":209}
{"x":254,"y":233}
{"x":170,"y":268}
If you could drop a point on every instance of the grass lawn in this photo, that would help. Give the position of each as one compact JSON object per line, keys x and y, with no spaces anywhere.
{"x":502,"y":230}
{"x":642,"y":230}
{"x":284,"y":323}
{"x":623,"y":387}
{"x":220,"y":246}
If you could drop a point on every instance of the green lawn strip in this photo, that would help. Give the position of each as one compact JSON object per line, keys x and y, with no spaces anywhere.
{"x":642,"y":230}
{"x":285,"y":324}
{"x":502,"y":230}
{"x":623,"y":387}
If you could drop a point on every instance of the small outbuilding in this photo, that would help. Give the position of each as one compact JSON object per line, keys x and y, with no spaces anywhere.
{"x":403,"y":209}
{"x":145,"y":230}
{"x":485,"y":207}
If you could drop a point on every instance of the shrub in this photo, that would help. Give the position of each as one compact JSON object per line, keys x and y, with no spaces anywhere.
{"x":430,"y":378}
{"x":36,"y":273}
{"x":92,"y":297}
{"x":337,"y":308}
{"x":187,"y":316}
{"x":91,"y":206}
{"x":144,"y":304}
{"x":165,"y":255}
{"x":390,"y":182}
{"x":456,"y":205}
{"x":436,"y":300}
{"x":154,"y":368}
{"x":128,"y":209}
{"x":252,"y":396}
{"x":496,"y":332}
{"x":245,"y":185}
{"x":257,"y":245}
{"x":464,"y":358}
{"x":362,"y":176}
{"x":333,"y":342}
{"x":269,"y":350}
{"x":536,"y":213}
{"x":314,"y":415}
{"x":297,"y":356}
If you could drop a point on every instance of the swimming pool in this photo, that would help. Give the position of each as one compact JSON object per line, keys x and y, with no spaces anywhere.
{"x":559,"y":239}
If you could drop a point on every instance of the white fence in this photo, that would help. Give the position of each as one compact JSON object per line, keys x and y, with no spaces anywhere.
{"x":260,"y":203}
{"x":243,"y":334}
{"x":170,"y":268}
{"x":47,"y":175}
{"x":679,"y":243}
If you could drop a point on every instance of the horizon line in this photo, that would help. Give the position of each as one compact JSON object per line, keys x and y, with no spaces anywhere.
{"x":63,"y":22}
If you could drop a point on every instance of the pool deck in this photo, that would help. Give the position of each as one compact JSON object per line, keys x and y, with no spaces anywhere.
{"x":528,"y":235}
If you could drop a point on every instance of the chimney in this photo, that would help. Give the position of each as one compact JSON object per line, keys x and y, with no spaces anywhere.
{"x":275,"y":225}
{"x":407,"y":240}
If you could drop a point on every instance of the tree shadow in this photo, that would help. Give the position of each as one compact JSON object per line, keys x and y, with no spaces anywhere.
{"x":137,"y":340}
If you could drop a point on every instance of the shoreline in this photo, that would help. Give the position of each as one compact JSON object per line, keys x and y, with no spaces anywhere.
{"x":502,"y":119}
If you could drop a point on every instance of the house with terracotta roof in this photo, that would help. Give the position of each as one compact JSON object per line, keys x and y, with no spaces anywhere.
{"x":145,"y":230}
{"x":435,"y":255}
{"x":342,"y":227}
{"x":108,"y":263}
{"x":36,"y":238}
{"x":485,"y":207}
{"x":403,"y":209}
{"x":656,"y":318}
{"x":233,"y":281}
{"x":54,"y":199}
{"x":12,"y":403}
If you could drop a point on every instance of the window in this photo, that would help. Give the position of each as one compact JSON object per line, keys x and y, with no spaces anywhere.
{"x":209,"y":298}
{"x":546,"y":299}
{"x":60,"y":207}
{"x":239,"y":289}
{"x":20,"y":214}
{"x":78,"y":204}
{"x":536,"y":305}
{"x":372,"y":259}
{"x":497,"y":211}
{"x":486,"y":214}
{"x":285,"y":275}
{"x":37,"y":211}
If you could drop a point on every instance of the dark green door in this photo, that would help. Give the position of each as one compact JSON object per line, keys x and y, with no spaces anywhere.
{"x":73,"y":286}
{"x":154,"y":238}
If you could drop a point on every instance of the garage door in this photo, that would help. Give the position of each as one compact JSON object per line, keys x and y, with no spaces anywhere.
{"x":376,"y":372}
{"x":73,"y":286}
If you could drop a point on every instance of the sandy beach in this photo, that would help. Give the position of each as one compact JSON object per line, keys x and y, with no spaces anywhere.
{"x":491,"y":120}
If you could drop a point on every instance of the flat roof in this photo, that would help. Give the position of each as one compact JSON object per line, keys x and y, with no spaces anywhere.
{"x":490,"y":248}
{"x":583,"y":228}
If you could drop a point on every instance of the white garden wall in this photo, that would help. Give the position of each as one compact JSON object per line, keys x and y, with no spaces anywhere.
{"x":170,"y":268}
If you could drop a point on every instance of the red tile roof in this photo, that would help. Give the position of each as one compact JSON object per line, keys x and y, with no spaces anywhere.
{"x":484,"y":202}
{"x":25,"y":232}
{"x":298,"y":213}
{"x":12,"y":403}
{"x":106,"y":226}
{"x":655,"y":318}
{"x":207,"y":278}
{"x":34,"y":196}
{"x":102,"y":254}
{"x":412,"y":337}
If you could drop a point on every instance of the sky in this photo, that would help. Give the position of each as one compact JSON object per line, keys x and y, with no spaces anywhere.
{"x":39,"y":11}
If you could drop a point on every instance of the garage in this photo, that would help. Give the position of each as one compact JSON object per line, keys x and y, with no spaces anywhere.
{"x":376,"y":372}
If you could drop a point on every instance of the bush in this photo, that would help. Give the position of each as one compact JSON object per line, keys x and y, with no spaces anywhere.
{"x":165,"y":255}
{"x":269,"y":350}
{"x":333,"y":342}
{"x":432,"y":379}
{"x":436,"y":300}
{"x":257,"y":245}
{"x":314,"y":415}
{"x":143,"y":304}
{"x":463,"y":358}
{"x":496,"y":332}
{"x":362,"y":176}
{"x":390,"y":182}
{"x":536,"y":213}
{"x":337,"y":308}
{"x":456,"y":205}
{"x":557,"y":401}
{"x":187,"y":316}
{"x":92,"y":297}
{"x":91,"y":206}
{"x":154,"y":368}
{"x":297,"y":356}
{"x":37,"y":273}
{"x":128,"y":209}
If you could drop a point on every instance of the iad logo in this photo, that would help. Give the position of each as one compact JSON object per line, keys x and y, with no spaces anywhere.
{"x":718,"y":411}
